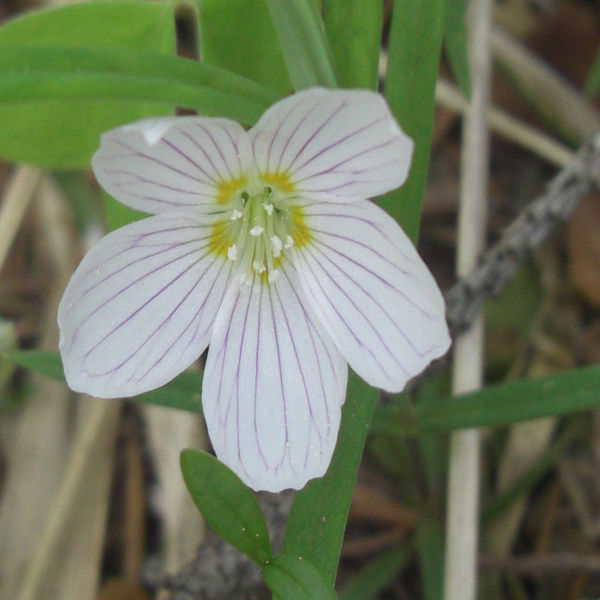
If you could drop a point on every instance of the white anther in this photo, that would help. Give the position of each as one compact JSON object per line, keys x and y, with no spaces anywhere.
{"x":289,"y":241}
{"x":244,"y":280}
{"x":256,"y":230}
{"x":268,"y":208}
{"x":235,"y":214}
{"x":276,"y":245}
{"x":273,"y":276}
{"x":258,"y":266}
{"x":232,"y":252}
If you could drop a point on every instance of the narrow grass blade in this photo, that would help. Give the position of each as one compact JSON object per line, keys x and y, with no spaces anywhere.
{"x":295,"y":578}
{"x":317,"y":521}
{"x":413,"y":57}
{"x":353,"y":29}
{"x":182,"y":393}
{"x":455,"y":44}
{"x":303,"y":43}
{"x":376,"y":574}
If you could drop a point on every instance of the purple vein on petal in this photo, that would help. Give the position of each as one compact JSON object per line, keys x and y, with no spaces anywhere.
{"x":301,"y":369}
{"x":292,"y":135}
{"x":156,"y":160}
{"x":275,"y":135}
{"x":380,"y":306}
{"x":186,"y":157}
{"x":357,"y":309}
{"x":315,"y":133}
{"x":219,"y":151}
{"x":234,"y":144}
{"x":315,"y":331}
{"x":140,"y":308}
{"x":282,"y":387}
{"x":376,"y":275}
{"x":195,"y":316}
{"x":342,"y":140}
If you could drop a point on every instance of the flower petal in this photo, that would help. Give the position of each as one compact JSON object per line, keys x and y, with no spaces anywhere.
{"x":332,"y":144}
{"x":139,"y":308}
{"x":273,"y":386}
{"x":161,"y":164}
{"x":372,"y":292}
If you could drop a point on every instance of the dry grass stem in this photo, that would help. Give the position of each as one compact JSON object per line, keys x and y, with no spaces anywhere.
{"x":15,"y":201}
{"x":554,"y":99}
{"x":460,"y":572}
{"x":512,"y":129}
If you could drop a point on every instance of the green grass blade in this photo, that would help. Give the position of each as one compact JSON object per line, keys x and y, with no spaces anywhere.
{"x":353,"y":28}
{"x":227,"y":505}
{"x":29,"y":73}
{"x":592,"y":84}
{"x":455,"y":44}
{"x":303,"y":43}
{"x":29,"y":131}
{"x":182,"y":393}
{"x":516,"y":401}
{"x":376,"y":574}
{"x":295,"y":578}
{"x":413,"y":57}
{"x":317,"y":521}
{"x":430,"y":545}
{"x":238,"y":35}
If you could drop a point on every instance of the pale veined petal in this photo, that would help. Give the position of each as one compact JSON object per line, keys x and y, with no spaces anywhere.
{"x":273,"y":386}
{"x":372,"y":292}
{"x":332,"y":144}
{"x":139,"y":308}
{"x":161,"y":164}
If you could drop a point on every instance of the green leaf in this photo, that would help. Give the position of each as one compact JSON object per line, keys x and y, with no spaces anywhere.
{"x":430,"y":544}
{"x":376,"y":574}
{"x":64,"y":134}
{"x":303,"y":43}
{"x":227,"y":505}
{"x":293,"y":577}
{"x":496,"y":405}
{"x":353,"y":29}
{"x":238,"y":35}
{"x":413,"y":51}
{"x":182,"y":393}
{"x":592,"y":84}
{"x":516,"y":401}
{"x":317,"y":521}
{"x":29,"y":73}
{"x":455,"y":44}
{"x":41,"y":361}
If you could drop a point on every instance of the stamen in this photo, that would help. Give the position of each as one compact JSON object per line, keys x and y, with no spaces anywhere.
{"x":258,"y":266}
{"x":256,"y":230}
{"x":268,"y":208}
{"x":277,"y":245}
{"x":232,"y":252}
{"x":289,"y":241}
{"x":236,"y":214}
{"x":273,"y":275}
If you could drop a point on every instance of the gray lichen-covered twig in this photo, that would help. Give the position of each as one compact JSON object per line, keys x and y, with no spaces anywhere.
{"x":499,"y":263}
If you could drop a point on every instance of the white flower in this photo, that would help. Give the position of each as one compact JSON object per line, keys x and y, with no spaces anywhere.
{"x":264,"y":247}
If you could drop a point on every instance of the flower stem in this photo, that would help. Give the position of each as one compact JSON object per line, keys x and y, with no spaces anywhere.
{"x":463,"y":487}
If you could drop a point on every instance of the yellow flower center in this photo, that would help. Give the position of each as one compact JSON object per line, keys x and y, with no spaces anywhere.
{"x":260,"y":222}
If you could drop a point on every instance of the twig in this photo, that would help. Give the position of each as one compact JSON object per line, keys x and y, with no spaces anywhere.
{"x":460,"y":572}
{"x":498,"y":264}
